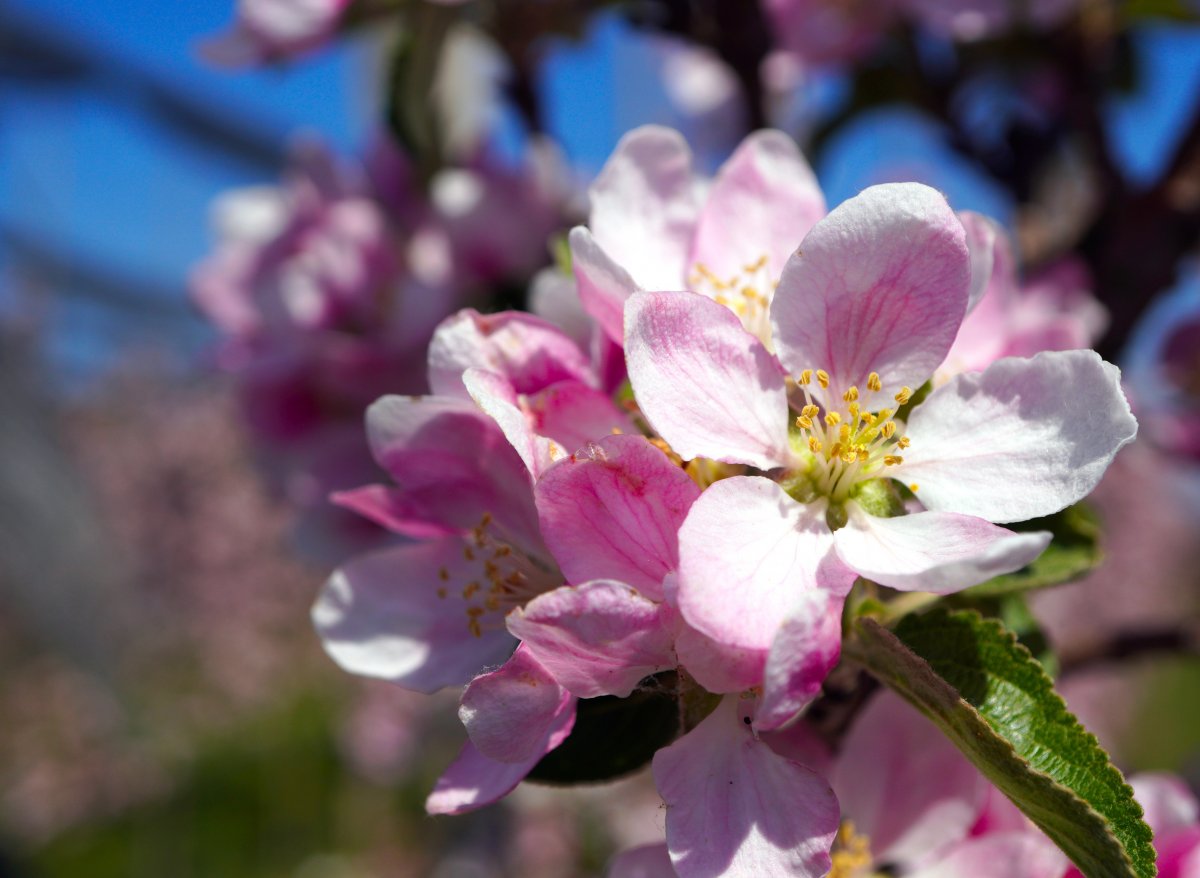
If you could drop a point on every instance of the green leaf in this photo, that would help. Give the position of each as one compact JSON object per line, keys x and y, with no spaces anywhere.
{"x":1074,"y":551}
{"x":988,"y":694}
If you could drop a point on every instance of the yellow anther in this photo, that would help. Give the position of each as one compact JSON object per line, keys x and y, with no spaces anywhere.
{"x":849,"y":455}
{"x":810,"y":411}
{"x":814,"y":444}
{"x":804,"y":422}
{"x":873,"y":382}
{"x":822,"y":377}
{"x":892,"y":460}
{"x":756,"y":265}
{"x":913,"y":487}
{"x":855,"y":411}
{"x":851,"y":394}
{"x":844,"y":432}
{"x":833,"y":419}
{"x":888,"y":430}
{"x":883,"y":414}
{"x":904,"y":395}
{"x":904,"y":442}
{"x":863,"y":455}
{"x":806,"y":377}
{"x":835,"y":451}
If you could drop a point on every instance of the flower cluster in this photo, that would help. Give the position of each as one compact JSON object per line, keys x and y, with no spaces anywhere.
{"x":327,"y":289}
{"x":803,"y":409}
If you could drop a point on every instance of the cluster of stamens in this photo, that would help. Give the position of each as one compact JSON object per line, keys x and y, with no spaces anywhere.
{"x":746,"y":294}
{"x":851,"y":853}
{"x":495,"y":578}
{"x":852,"y":445}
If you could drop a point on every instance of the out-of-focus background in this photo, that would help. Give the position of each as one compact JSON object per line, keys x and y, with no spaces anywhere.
{"x":165,"y":708}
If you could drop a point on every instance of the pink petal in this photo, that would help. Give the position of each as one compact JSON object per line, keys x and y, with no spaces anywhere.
{"x":388,"y":508}
{"x":599,"y":638}
{"x":604,"y":286}
{"x":879,"y":285}
{"x":548,"y":425}
{"x":748,"y":553}
{"x":647,"y":861}
{"x":473,"y":780}
{"x":644,"y":207}
{"x":763,"y":202}
{"x":1022,"y":439}
{"x":613,"y":511}
{"x":991,"y":257}
{"x":452,"y":464}
{"x":392,"y":615}
{"x":905,"y":786}
{"x":941,"y":552}
{"x":1026,"y":854}
{"x":800,"y":743}
{"x":531,"y":353}
{"x":554,"y":297}
{"x":805,"y":650}
{"x":985,"y":331}
{"x":518,"y":712}
{"x":735,"y":807}
{"x":716,"y":666}
{"x":705,"y":384}
{"x":1168,"y":803}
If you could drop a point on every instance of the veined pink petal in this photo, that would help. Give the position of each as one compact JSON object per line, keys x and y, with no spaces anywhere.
{"x":706,"y":385}
{"x":879,"y":285}
{"x":644,"y":206}
{"x":598,"y":638}
{"x":805,"y":650}
{"x":905,"y":786}
{"x":735,"y":807}
{"x":473,"y":780}
{"x":604,"y":286}
{"x":647,"y":861}
{"x":546,"y":426}
{"x":1027,"y":854}
{"x":531,"y":353}
{"x":1022,"y":439}
{"x":941,"y":552}
{"x":517,"y":712}
{"x":748,"y":552}
{"x":763,"y":202}
{"x":392,"y":615}
{"x":452,"y":464}
{"x":613,"y":511}
{"x":387,"y":507}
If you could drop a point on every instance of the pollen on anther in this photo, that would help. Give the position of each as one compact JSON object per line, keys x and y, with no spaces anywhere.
{"x":822,"y":377}
{"x":851,"y":394}
{"x":873,"y":382}
{"x":804,"y":422}
{"x":833,"y":419}
{"x":814,"y":444}
{"x":904,"y":395}
{"x":903,"y":442}
{"x":892,"y":460}
{"x":810,"y":411}
{"x":888,"y":429}
{"x":913,"y":487}
{"x":806,"y":376}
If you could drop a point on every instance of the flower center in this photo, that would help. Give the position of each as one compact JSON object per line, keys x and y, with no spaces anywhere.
{"x":493,"y":578}
{"x":851,"y":853}
{"x":853,"y":444}
{"x":747,"y":294}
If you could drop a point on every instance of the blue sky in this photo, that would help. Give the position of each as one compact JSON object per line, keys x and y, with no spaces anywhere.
{"x":95,"y":173}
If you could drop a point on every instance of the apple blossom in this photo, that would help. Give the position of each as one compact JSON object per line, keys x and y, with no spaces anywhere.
{"x":867,"y":308}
